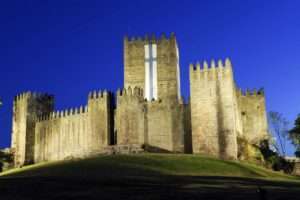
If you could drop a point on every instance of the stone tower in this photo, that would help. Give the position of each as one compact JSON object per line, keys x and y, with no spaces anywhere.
{"x":214,"y":110}
{"x":130,"y":117}
{"x":26,"y":109}
{"x":153,"y":65}
{"x":253,"y":114}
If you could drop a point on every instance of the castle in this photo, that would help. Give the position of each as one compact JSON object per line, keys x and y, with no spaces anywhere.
{"x":148,"y":114}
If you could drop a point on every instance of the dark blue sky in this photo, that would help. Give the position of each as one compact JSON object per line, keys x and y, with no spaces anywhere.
{"x":70,"y":47}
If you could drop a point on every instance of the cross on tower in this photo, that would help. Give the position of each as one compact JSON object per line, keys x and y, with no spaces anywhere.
{"x":150,"y":71}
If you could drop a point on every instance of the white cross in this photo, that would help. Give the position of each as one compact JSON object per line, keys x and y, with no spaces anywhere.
{"x":150,"y":72}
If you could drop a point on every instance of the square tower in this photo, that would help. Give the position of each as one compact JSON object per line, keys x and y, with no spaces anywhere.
{"x":27,"y":108}
{"x":153,"y":65}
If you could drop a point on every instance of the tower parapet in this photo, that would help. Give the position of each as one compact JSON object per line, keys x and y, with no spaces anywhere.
{"x":205,"y":70}
{"x":62,"y":113}
{"x":251,"y":93}
{"x":149,"y":39}
{"x":130,"y":92}
{"x":99,"y":94}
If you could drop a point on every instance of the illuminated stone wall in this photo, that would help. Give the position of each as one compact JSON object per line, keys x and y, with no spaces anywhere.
{"x":209,"y":123}
{"x":76,"y":132}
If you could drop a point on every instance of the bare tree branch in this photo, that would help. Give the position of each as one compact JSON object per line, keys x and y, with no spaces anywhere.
{"x":279,"y":129}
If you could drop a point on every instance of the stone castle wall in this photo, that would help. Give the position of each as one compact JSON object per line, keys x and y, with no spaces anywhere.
{"x":100,"y":112}
{"x":188,"y":143}
{"x":134,"y":61}
{"x":253,"y":115}
{"x":213,"y":108}
{"x":163,"y":117}
{"x":165,"y":126}
{"x":209,"y":123}
{"x":39,"y":134}
{"x":130,"y":117}
{"x":168,"y":68}
{"x":26,"y":108}
{"x":156,"y":125}
{"x":63,"y":134}
{"x":76,"y":132}
{"x":168,"y":73}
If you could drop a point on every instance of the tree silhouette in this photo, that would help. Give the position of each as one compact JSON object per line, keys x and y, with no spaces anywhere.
{"x":294,"y":134}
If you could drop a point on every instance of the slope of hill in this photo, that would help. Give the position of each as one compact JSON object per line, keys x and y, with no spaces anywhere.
{"x":146,"y":175}
{"x":167,"y":164}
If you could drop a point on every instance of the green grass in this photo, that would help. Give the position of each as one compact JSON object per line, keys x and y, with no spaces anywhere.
{"x":147,"y":164}
{"x":147,"y":176}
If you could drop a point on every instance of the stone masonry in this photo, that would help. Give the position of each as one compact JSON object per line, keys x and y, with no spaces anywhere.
{"x":149,"y":113}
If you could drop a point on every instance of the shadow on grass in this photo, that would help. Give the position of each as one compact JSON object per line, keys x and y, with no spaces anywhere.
{"x":126,"y":177}
{"x":154,"y":186}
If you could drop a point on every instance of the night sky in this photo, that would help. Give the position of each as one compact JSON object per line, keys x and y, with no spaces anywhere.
{"x":68,"y":48}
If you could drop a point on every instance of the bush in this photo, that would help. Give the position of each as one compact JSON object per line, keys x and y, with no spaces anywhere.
{"x":274,"y":160}
{"x":297,"y":153}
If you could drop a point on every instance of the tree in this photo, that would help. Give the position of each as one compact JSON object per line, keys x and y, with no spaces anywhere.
{"x":294,"y":135}
{"x":279,"y":128}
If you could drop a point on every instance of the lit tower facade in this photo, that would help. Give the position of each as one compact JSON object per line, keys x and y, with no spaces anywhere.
{"x":153,"y":65}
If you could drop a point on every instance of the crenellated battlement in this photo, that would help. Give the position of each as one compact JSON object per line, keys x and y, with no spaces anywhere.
{"x":214,"y":66}
{"x":63,"y":113}
{"x":23,"y":95}
{"x":251,"y":93}
{"x":154,"y":102}
{"x":149,"y":39}
{"x":35,"y":95}
{"x":136,"y":91}
{"x":98,"y":94}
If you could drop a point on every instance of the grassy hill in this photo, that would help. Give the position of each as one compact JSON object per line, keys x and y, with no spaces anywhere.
{"x":147,"y":174}
{"x":167,"y":164}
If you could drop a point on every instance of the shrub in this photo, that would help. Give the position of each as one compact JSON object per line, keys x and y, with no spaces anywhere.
{"x":274,"y":160}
